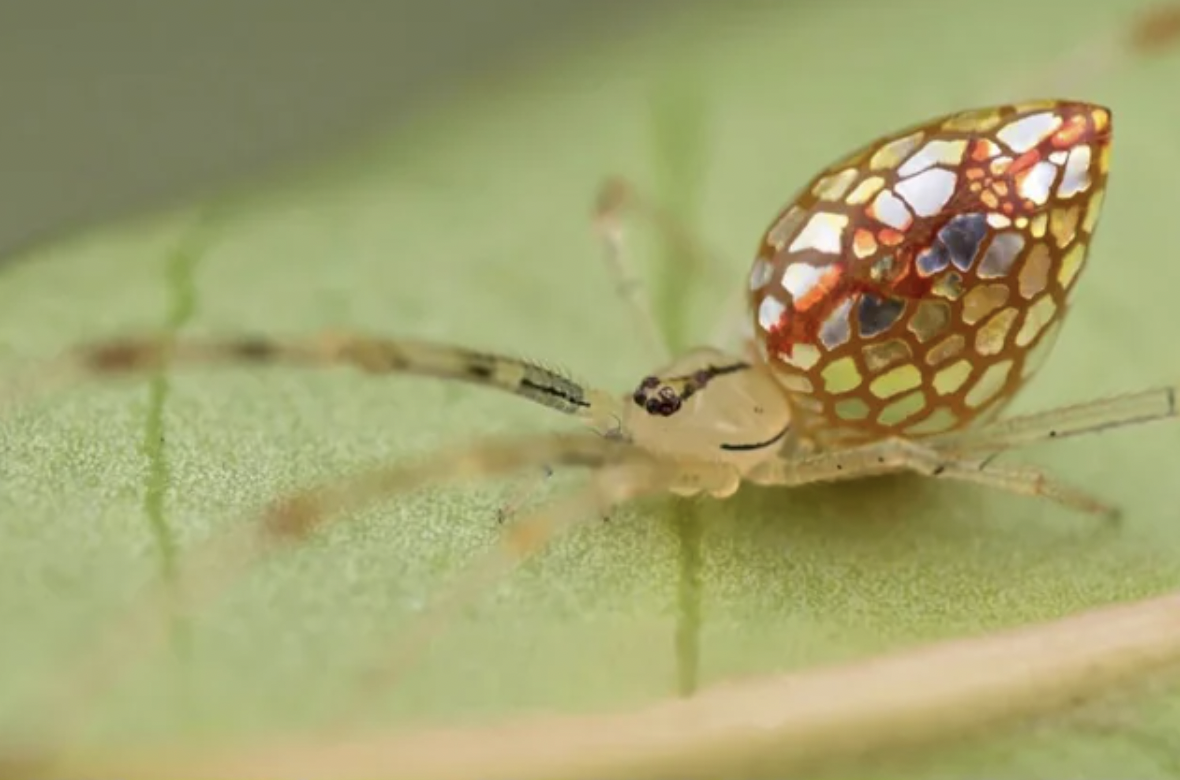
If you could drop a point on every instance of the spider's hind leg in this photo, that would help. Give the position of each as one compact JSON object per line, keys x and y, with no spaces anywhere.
{"x":531,"y":533}
{"x":1026,"y":481}
{"x":967,"y":455}
{"x":896,"y":455}
{"x":1062,"y":422}
{"x":523,"y":493}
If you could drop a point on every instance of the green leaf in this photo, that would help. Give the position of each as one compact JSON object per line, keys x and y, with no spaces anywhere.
{"x":472,"y":227}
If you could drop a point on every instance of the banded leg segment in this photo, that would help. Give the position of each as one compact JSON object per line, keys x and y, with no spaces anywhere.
{"x":371,"y":354}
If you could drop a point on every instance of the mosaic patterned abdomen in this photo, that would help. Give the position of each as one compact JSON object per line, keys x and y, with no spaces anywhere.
{"x":913,"y":287}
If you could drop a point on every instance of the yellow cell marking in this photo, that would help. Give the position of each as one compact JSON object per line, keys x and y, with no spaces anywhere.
{"x":784,"y":230}
{"x":803,"y":356}
{"x":974,"y":121}
{"x":988,"y":385}
{"x":951,"y":378}
{"x":865,"y":190}
{"x":982,"y":301}
{"x":1071,"y":264}
{"x":1037,"y":225}
{"x":1063,"y":224}
{"x":991,"y":337}
{"x":1034,"y":276}
{"x":897,"y":381}
{"x":841,"y":376}
{"x":882,"y":355}
{"x":902,"y":409}
{"x":891,"y":154}
{"x":929,"y":319}
{"x":1093,"y":210}
{"x":1039,"y":315}
{"x":832,"y":188}
{"x":852,"y":409}
{"x":946,"y":349}
{"x":942,"y":419}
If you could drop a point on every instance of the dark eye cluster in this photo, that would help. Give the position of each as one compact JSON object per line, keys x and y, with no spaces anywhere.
{"x":659,"y":398}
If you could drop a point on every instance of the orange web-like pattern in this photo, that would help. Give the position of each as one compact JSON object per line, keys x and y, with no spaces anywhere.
{"x":913,"y":287}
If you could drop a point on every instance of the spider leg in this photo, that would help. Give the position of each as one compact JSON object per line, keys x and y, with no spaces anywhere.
{"x":371,"y":354}
{"x":608,"y":487}
{"x":214,"y":565}
{"x":1075,"y":420}
{"x":618,"y":199}
{"x":1026,"y":481}
{"x":1148,"y":33}
{"x":1155,"y":29}
{"x":615,"y":197}
{"x":897,"y":455}
{"x":615,"y":200}
{"x":523,"y":493}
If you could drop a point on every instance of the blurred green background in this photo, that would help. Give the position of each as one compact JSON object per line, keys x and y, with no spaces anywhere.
{"x":126,"y":105}
{"x":463,"y":217}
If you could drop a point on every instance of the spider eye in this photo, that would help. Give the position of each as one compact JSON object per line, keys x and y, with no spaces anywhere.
{"x":670,"y":407}
{"x":649,"y":382}
{"x":652,"y":406}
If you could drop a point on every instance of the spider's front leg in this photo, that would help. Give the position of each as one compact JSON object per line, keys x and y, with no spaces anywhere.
{"x":617,"y":199}
{"x":894,"y":455}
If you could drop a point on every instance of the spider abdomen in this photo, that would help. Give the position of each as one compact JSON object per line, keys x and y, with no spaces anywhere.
{"x":913,"y":287}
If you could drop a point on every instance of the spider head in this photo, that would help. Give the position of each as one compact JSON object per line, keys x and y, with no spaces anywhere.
{"x":709,"y":405}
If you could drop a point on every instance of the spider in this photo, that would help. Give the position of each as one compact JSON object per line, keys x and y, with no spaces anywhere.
{"x":896,"y":306}
{"x":898,"y":303}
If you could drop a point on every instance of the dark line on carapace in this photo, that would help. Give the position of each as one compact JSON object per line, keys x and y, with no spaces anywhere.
{"x":713,"y":372}
{"x":758,"y":445}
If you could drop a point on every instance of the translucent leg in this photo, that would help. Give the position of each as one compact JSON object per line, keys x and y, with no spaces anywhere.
{"x":897,"y":455}
{"x":214,"y":566}
{"x":614,"y":199}
{"x":617,"y":200}
{"x":521,"y":540}
{"x":523,"y":493}
{"x":1147,"y":33}
{"x":1090,"y":417}
{"x":1027,"y":481}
